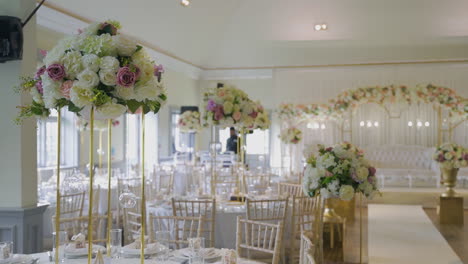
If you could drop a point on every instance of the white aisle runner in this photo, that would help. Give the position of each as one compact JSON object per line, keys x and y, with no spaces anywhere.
{"x":404,"y":234}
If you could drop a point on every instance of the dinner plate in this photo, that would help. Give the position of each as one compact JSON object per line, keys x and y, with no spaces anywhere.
{"x":72,"y":252}
{"x":207,"y":253}
{"x":131,"y":250}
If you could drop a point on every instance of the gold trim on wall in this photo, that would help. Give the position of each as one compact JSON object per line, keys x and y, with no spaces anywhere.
{"x":173,"y":56}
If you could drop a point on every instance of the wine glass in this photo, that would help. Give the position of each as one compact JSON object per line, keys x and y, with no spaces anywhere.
{"x":163,"y":238}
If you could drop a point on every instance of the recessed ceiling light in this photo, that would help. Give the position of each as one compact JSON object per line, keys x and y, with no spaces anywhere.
{"x":319,"y":27}
{"x":185,"y":2}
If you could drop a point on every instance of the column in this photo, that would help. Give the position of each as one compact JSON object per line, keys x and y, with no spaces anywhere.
{"x":20,"y":216}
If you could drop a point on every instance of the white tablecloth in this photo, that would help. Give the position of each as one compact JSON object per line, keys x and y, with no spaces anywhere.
{"x":43,"y":258}
{"x":226,"y":222}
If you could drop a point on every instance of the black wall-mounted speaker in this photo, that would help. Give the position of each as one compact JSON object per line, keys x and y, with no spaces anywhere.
{"x":188,"y":108}
{"x":11,"y":38}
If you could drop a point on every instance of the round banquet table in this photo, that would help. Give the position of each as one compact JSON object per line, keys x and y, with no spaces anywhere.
{"x":226,"y":221}
{"x":43,"y":258}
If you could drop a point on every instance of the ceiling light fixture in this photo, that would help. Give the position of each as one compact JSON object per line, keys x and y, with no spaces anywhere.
{"x":319,"y":27}
{"x":185,"y":2}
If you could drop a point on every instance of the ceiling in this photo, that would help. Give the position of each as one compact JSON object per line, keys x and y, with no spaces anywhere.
{"x":266,"y":33}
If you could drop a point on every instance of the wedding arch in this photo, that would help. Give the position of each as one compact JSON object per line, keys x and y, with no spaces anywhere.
{"x":350,"y":100}
{"x":339,"y":118}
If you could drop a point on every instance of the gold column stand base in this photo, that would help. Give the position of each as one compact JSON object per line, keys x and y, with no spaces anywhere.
{"x":450,"y":210}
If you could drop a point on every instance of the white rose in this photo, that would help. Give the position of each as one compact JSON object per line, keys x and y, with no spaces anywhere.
{"x":341,"y":153}
{"x":110,"y":110}
{"x":90,"y":61}
{"x":109,"y":63}
{"x":72,"y":63}
{"x":108,"y":77}
{"x":88,"y":78}
{"x":366,"y":188}
{"x":325,"y":193}
{"x":36,"y":96}
{"x":346,"y":192}
{"x":148,"y":90}
{"x":125,"y":93}
{"x":51,"y":90}
{"x":92,"y":29}
{"x":81,"y":95}
{"x":463,"y":163}
{"x":228,"y":107}
{"x":448,"y":156}
{"x":362,"y":173}
{"x":125,"y":46}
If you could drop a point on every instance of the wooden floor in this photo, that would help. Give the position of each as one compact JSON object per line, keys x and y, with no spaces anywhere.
{"x":456,"y":236}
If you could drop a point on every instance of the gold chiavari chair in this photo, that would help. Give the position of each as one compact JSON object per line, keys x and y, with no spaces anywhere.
{"x":272,"y":210}
{"x":260,"y":237}
{"x":317,"y":228}
{"x":306,"y":250}
{"x":99,"y":220}
{"x":289,"y":189}
{"x":71,"y":211}
{"x":196,"y":208}
{"x":268,"y":211}
{"x":163,"y":179}
{"x":182,"y":228}
{"x":260,"y":181}
{"x":303,"y":210}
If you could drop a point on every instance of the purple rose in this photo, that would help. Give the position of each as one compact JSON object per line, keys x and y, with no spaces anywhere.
{"x":158,"y":69}
{"x":370,"y":180}
{"x":219,"y":113}
{"x":372,"y":171}
{"x":211,"y":105}
{"x":253,"y":114}
{"x":39,"y":87}
{"x":466,"y":157}
{"x":56,"y":72}
{"x":39,"y":72}
{"x":441,"y":158}
{"x":329,"y":149}
{"x":126,"y":77}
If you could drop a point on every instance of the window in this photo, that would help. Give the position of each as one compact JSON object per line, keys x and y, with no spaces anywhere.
{"x":47,"y":141}
{"x":258,"y":143}
{"x":133,"y":139}
{"x":180,"y":142}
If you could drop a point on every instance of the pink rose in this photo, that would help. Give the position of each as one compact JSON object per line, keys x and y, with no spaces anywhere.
{"x":236,"y":116}
{"x":126,"y":77}
{"x":372,"y":171}
{"x":219,"y":113}
{"x":221,"y":93}
{"x":253,"y":114}
{"x":65,"y":88}
{"x":328,"y":174}
{"x":56,"y":72}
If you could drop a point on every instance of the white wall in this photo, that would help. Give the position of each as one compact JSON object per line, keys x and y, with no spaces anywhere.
{"x":17,"y":143}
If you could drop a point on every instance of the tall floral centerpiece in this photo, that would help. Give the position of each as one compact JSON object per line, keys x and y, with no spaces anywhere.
{"x":339,"y":172}
{"x":451,"y":157}
{"x":291,"y":136}
{"x":226,"y":106}
{"x":98,"y":74}
{"x":189,"y":122}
